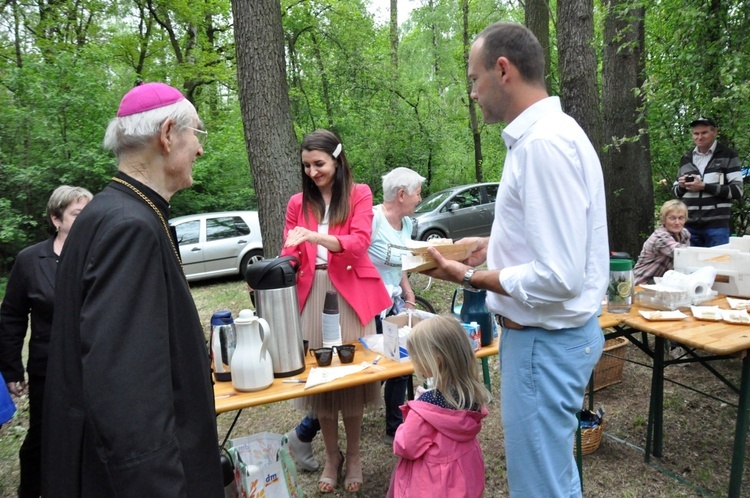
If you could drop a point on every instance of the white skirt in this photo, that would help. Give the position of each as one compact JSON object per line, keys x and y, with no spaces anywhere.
{"x":351,"y":401}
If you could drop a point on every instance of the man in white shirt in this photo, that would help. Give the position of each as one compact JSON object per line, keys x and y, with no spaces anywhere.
{"x":547,"y":259}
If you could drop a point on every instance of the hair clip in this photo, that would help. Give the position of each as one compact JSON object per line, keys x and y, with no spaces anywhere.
{"x":337,"y":151}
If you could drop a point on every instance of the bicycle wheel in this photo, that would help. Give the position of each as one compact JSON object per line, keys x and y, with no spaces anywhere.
{"x":423,"y":304}
{"x":420,"y":282}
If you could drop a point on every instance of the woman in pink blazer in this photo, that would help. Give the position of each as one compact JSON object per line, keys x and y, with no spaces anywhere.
{"x":328,"y":227}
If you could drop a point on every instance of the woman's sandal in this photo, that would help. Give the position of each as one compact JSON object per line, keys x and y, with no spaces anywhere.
{"x":326,"y":484}
{"x":353,"y":482}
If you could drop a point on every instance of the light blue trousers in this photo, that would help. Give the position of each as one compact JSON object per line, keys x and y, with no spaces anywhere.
{"x":543,"y":380}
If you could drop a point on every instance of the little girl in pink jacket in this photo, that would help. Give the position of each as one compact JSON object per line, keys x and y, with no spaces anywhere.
{"x":437,"y":443}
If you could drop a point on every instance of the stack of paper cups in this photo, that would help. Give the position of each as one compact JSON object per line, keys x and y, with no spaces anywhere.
{"x":330,"y":319}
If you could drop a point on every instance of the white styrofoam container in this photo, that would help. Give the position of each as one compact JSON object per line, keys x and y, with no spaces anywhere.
{"x":731,"y":261}
{"x":394,"y":343}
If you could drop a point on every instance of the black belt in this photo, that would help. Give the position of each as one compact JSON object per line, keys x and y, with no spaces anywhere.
{"x":321,"y":267}
{"x":510,"y":324}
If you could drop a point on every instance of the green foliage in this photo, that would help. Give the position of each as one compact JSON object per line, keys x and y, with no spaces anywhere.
{"x":692,"y":72}
{"x":62,"y":75}
{"x":741,"y":214}
{"x":221,"y":178}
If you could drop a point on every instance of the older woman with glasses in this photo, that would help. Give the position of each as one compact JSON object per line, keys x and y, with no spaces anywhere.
{"x":657,"y":255}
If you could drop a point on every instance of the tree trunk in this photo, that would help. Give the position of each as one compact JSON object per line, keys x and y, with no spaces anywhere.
{"x":536,"y":17}
{"x":626,"y":162}
{"x":577,"y":66}
{"x":394,"y":35}
{"x":715,"y":43}
{"x":264,"y":102}
{"x":435,"y":49}
{"x":323,"y":80}
{"x":475,"y":133}
{"x":392,"y":158}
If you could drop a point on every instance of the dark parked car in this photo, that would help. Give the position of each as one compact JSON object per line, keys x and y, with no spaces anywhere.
{"x":463,"y":211}
{"x":218,"y":244}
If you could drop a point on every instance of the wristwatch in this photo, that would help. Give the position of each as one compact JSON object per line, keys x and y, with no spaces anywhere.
{"x":467,"y":279}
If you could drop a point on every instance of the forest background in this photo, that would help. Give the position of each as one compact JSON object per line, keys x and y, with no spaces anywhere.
{"x":262,"y":73}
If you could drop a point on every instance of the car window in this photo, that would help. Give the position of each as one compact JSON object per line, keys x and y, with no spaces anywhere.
{"x":468,"y":198}
{"x":431,"y":202}
{"x":225,"y":227}
{"x":188,"y":232}
{"x":491,"y":192}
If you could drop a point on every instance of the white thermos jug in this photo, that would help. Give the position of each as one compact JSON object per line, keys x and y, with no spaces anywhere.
{"x":252,"y":368}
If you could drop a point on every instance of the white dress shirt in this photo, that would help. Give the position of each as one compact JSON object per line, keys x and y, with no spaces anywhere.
{"x":701,"y":160}
{"x":549,"y":236}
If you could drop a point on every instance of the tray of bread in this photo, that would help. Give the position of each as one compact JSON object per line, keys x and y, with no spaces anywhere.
{"x":420,"y":260}
{"x":709,"y":313}
{"x":663,"y":315}
{"x":739,"y":317}
{"x":738,"y":304}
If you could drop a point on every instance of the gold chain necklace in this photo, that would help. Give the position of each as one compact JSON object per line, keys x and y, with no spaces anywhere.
{"x":158,"y":213}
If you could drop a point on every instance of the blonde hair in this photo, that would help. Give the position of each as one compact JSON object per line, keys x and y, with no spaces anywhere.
{"x":672,"y":206}
{"x":62,"y":197}
{"x":439,"y":348}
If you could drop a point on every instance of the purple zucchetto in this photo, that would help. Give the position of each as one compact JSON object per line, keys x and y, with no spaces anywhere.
{"x":146,"y":97}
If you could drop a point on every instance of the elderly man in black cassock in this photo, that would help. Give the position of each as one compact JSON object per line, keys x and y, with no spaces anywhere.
{"x":129,"y":407}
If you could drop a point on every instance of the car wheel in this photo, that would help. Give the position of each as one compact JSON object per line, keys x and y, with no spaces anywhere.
{"x":248,"y":259}
{"x":433,"y":234}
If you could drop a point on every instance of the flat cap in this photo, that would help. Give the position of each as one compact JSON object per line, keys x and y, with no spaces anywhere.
{"x":703,"y":121}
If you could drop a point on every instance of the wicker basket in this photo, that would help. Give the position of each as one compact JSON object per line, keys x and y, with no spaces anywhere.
{"x":609,"y":369}
{"x":590,"y":439}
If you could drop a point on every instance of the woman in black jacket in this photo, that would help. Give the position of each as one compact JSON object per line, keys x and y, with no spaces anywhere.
{"x":31,"y":291}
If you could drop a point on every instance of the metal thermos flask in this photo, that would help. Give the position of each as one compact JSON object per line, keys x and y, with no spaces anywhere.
{"x":223,"y":342}
{"x":474,"y":309}
{"x":274,"y":284}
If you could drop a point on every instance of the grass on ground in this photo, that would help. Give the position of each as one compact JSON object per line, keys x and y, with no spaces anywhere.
{"x":698,"y":430}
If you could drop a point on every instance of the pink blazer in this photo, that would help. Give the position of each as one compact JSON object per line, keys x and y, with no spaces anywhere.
{"x":351,"y":271}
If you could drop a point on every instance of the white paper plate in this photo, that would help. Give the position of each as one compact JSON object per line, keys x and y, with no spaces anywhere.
{"x":738,"y":304}
{"x":736,"y":316}
{"x":662,"y":315}
{"x":710,"y":313}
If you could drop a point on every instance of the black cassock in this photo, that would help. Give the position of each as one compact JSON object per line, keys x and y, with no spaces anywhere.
{"x":129,"y":407}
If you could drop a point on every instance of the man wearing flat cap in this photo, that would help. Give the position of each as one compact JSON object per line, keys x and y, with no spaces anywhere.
{"x":709,"y":180}
{"x":129,"y":406}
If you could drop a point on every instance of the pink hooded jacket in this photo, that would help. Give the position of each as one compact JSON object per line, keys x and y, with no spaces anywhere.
{"x":439,"y":453}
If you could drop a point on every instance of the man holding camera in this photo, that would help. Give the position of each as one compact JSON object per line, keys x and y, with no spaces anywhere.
{"x":708,"y":182}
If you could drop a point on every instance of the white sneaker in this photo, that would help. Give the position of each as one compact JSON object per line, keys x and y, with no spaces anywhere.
{"x":302,"y":452}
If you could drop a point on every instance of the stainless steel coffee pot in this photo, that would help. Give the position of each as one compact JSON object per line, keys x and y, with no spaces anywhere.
{"x":223,"y":340}
{"x":274,"y":284}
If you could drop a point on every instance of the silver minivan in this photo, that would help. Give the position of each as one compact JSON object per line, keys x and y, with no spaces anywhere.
{"x":218,"y":244}
{"x":456,"y":212}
